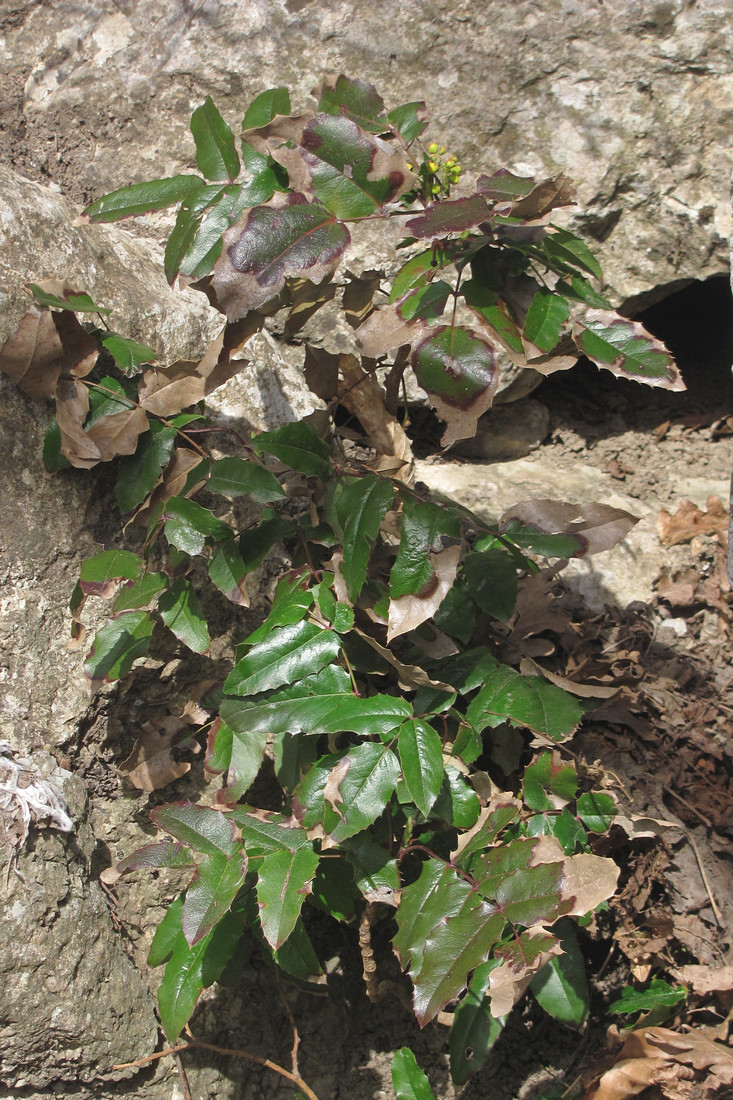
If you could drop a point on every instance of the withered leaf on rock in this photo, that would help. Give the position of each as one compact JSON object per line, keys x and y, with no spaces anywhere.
{"x":151,"y":764}
{"x":599,"y":526}
{"x":45,"y":345}
{"x":408,"y":612}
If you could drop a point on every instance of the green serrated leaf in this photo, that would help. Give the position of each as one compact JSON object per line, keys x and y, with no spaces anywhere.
{"x":566,"y":246}
{"x":128,"y":354}
{"x":424,"y":303}
{"x":524,"y":701}
{"x":228,"y":572}
{"x":288,"y":654}
{"x":216,"y":155}
{"x":233,"y":477}
{"x":420,"y":270}
{"x":354,"y":99}
{"x":72,"y":301}
{"x":596,"y":811}
{"x":143,"y":198}
{"x":297,"y":445}
{"x":211,"y":893}
{"x":361,"y":508}
{"x":657,"y":993}
{"x":111,"y":565}
{"x":626,"y":349}
{"x":138,"y":474}
{"x":457,"y":803}
{"x":421,"y":756}
{"x":423,"y":525}
{"x":168,"y":931}
{"x":190,"y":970}
{"x":262,"y":109}
{"x":474,"y":1030}
{"x":53,"y":460}
{"x":491,"y":577}
{"x":409,"y":1081}
{"x":181,"y":611}
{"x":487,"y":304}
{"x":346,"y":792}
{"x":445,"y":930}
{"x":409,"y":120}
{"x":291,"y":603}
{"x":561,"y":987}
{"x":140,"y":593}
{"x":188,"y":525}
{"x":545,"y":318}
{"x":549,"y":783}
{"x":118,"y":644}
{"x":283,"y":879}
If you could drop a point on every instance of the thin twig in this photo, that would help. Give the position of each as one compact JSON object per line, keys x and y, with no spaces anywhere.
{"x":182,"y":1077}
{"x":198,"y":1044}
{"x":288,"y":1010}
{"x":713,"y":904}
{"x":689,"y":805}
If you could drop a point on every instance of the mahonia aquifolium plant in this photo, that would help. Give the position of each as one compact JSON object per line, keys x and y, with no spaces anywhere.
{"x":375,"y":693}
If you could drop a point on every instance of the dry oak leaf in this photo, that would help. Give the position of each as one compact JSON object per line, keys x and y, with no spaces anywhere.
{"x":689,"y":520}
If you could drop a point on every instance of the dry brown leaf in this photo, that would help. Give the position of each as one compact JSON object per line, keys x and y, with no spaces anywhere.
{"x":689,"y":520}
{"x":648,"y":1053}
{"x":706,"y":979}
{"x":408,"y":612}
{"x":358,"y":296}
{"x":151,"y":765}
{"x":384,"y":330}
{"x":528,"y":667}
{"x":116,"y":434}
{"x":332,"y":789}
{"x":599,"y":526}
{"x":588,"y":880}
{"x":409,"y":676}
{"x":508,"y":982}
{"x":45,"y":345}
{"x":363,"y":396}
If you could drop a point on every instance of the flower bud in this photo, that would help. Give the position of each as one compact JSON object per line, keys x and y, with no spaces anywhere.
{"x":432,"y":148}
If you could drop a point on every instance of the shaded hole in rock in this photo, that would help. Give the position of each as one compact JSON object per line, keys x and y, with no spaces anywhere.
{"x":696,"y":324}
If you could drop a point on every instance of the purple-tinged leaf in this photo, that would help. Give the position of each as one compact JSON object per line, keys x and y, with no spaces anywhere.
{"x":118,"y":644}
{"x":545,"y":318}
{"x":216,"y":155}
{"x":284,"y":878}
{"x":626,"y":349}
{"x":288,"y":654}
{"x":488,"y":306}
{"x":271,"y":244}
{"x":355,"y":99}
{"x":212,"y":891}
{"x":549,"y":783}
{"x":181,"y":611}
{"x":98,"y":575}
{"x":520,"y":959}
{"x":421,"y":269}
{"x":445,"y":930}
{"x":142,"y":198}
{"x":409,"y":120}
{"x":267,"y":831}
{"x":546,"y":195}
{"x":457,"y":369}
{"x":201,"y":828}
{"x":450,"y":216}
{"x":504,"y":186}
{"x":162,"y":853}
{"x":141,"y":593}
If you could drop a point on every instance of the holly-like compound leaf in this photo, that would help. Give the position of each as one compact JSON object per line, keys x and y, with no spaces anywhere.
{"x":353,"y":98}
{"x":290,"y":604}
{"x":211,"y":892}
{"x":346,"y":792}
{"x":423,"y":525}
{"x":421,"y":756}
{"x":409,"y":120}
{"x":287,"y":654}
{"x":524,"y":701}
{"x":181,"y":611}
{"x":474,"y":1030}
{"x":449,"y":216}
{"x":99,"y":574}
{"x":191,"y":969}
{"x":299,"y":446}
{"x":626,"y":349}
{"x":657,"y":993}
{"x":563,"y":245}
{"x":216,"y":155}
{"x":561,"y":987}
{"x":346,"y":169}
{"x":445,"y":930}
{"x":490,"y":308}
{"x":188,"y":525}
{"x":118,"y":644}
{"x":457,"y":369}
{"x":128,"y":354}
{"x":283,"y":879}
{"x":325,"y":703}
{"x":234,"y":478}
{"x":409,"y":1081}
{"x":142,"y":198}
{"x":272,"y":244}
{"x":361,"y":508}
{"x":201,"y":828}
{"x":545,"y":318}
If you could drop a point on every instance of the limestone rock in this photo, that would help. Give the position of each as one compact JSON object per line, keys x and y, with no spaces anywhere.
{"x":632,"y":100}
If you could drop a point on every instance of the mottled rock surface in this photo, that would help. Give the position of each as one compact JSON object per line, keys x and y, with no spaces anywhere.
{"x":634,"y":100}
